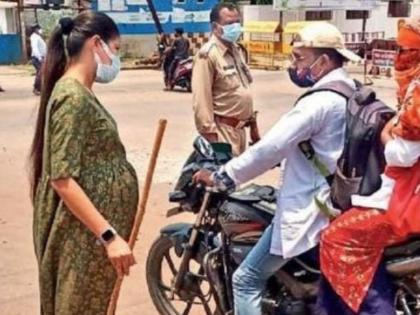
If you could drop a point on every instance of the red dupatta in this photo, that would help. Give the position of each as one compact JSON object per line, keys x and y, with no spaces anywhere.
{"x":404,"y":206}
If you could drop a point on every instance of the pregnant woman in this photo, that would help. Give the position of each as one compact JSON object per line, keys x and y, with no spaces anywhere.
{"x":84,"y":191}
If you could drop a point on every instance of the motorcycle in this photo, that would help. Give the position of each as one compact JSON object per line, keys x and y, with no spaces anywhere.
{"x":182,"y":74}
{"x":190,"y":266}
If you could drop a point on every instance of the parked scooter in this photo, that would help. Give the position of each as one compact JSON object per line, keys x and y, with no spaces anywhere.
{"x":182,"y":75}
{"x":190,"y":266}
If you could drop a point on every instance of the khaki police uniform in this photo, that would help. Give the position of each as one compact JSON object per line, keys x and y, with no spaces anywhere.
{"x":222,"y":99}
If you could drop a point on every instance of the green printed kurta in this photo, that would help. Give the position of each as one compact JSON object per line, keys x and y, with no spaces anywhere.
{"x":81,"y":142}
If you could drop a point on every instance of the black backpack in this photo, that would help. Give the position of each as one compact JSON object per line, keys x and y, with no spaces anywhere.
{"x":362,"y":161}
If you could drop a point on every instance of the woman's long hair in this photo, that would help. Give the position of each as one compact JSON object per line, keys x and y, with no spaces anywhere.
{"x":65,"y":43}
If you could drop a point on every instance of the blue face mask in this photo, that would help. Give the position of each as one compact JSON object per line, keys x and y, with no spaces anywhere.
{"x":232,"y":32}
{"x":304,"y":77}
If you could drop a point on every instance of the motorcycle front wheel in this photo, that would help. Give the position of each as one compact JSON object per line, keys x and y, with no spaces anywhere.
{"x":195,"y":296}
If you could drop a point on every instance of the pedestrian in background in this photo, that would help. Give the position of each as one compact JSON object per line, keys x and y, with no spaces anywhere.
{"x":221,"y":80}
{"x":84,"y":191}
{"x":39,"y":51}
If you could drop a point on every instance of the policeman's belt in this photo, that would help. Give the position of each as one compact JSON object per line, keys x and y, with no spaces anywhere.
{"x":232,"y":122}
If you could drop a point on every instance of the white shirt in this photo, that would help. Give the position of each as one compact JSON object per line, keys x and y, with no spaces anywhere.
{"x":399,"y":153}
{"x":319,"y":117}
{"x":38,"y":46}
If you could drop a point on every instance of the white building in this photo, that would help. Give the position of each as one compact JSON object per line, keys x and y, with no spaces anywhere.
{"x":379,"y":25}
{"x":8,"y":17}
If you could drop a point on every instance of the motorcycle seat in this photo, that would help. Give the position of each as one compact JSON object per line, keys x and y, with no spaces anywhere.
{"x":254,"y":193}
{"x":403,"y":249}
{"x":244,"y":198}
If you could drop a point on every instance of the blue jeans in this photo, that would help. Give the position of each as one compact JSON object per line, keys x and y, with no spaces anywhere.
{"x":37,"y":65}
{"x":250,"y":279}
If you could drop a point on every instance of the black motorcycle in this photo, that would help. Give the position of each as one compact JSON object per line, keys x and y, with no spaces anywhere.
{"x":190,"y":266}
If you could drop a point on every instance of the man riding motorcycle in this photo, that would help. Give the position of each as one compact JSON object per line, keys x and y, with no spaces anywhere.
{"x":180,"y":51}
{"x":318,"y":57}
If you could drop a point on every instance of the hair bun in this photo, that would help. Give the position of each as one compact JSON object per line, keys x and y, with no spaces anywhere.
{"x":66,"y":24}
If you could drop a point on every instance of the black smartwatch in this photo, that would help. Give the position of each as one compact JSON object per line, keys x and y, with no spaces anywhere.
{"x":107,"y":236}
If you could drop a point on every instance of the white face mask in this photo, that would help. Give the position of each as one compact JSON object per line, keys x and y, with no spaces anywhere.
{"x":40,"y":32}
{"x":106,"y":73}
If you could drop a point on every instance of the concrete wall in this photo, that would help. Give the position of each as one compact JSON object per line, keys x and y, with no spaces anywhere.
{"x":145,"y":45}
{"x":138,"y":45}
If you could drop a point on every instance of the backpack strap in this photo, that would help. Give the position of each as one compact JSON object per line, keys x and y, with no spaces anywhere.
{"x":338,"y":87}
{"x":346,"y":91}
{"x":308,"y":151}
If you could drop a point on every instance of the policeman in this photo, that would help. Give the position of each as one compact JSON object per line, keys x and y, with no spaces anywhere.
{"x":222,"y":99}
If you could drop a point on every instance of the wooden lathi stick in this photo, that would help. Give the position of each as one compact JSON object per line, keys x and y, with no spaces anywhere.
{"x":142,"y":208}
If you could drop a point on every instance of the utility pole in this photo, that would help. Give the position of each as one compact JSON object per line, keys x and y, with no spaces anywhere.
{"x":22,"y":29}
{"x":366,"y":80}
{"x":155,"y":16}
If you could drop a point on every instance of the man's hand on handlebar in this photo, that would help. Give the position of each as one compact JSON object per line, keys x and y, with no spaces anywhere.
{"x":203,"y":177}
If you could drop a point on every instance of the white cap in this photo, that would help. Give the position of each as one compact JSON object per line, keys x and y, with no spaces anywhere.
{"x":323,"y":35}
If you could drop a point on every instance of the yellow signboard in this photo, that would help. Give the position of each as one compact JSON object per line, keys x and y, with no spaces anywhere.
{"x":263,"y":42}
{"x":260,"y":47}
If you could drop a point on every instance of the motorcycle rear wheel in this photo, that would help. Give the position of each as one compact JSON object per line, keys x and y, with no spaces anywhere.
{"x":161,"y":268}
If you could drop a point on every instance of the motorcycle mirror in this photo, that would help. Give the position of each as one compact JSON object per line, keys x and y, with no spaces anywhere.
{"x":204,"y":148}
{"x":223,"y":152}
